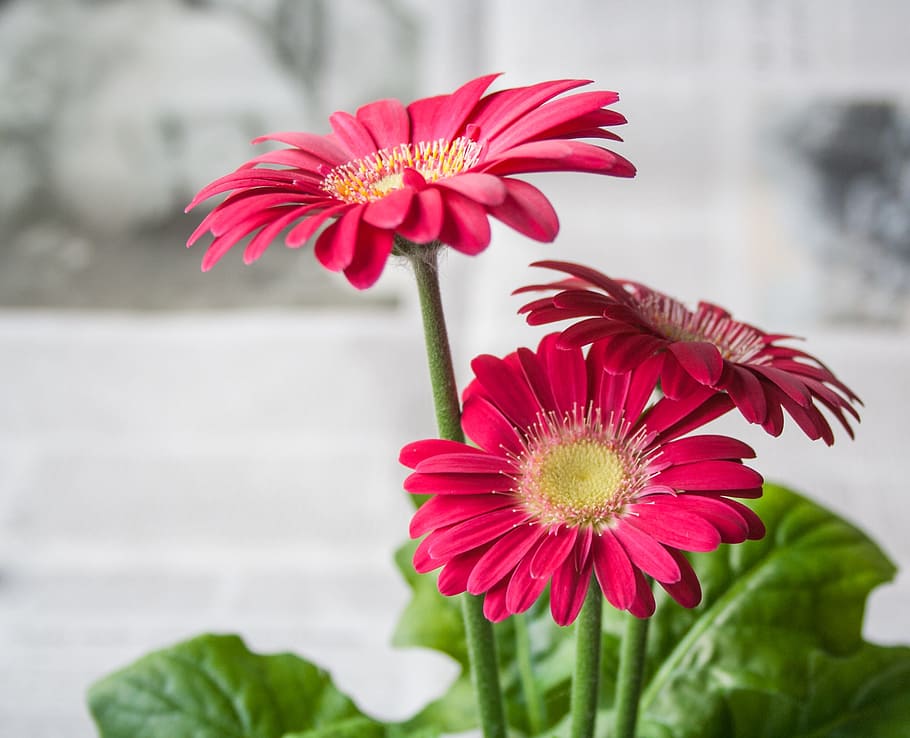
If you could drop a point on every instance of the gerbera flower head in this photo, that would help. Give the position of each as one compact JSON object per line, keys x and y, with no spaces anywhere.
{"x":432,"y":171}
{"x":700,"y":348}
{"x":575,"y":474}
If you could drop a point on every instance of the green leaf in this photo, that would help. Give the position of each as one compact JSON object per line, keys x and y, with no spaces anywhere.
{"x":214,"y":687}
{"x":774,"y":650}
{"x":769,"y":608}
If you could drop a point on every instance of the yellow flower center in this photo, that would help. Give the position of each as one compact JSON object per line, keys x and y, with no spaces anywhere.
{"x":376,"y":175}
{"x":581,"y":475}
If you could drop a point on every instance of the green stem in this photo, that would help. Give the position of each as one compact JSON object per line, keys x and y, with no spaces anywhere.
{"x":586,"y":684}
{"x":436,"y":337}
{"x":535,"y":705}
{"x":629,"y":678}
{"x":478,"y":630}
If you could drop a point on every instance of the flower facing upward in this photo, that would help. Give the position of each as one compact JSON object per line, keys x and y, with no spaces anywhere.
{"x":704,"y":347}
{"x":430,"y":171}
{"x":574,"y":476}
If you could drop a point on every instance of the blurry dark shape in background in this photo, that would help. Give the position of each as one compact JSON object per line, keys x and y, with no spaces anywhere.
{"x":113,"y":114}
{"x":857,"y":157}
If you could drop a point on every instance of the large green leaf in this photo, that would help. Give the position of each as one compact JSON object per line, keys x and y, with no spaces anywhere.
{"x":214,"y":687}
{"x":776,"y":642}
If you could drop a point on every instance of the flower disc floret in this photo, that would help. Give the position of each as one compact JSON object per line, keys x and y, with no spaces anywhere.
{"x":578,"y":472}
{"x":376,"y":175}
{"x":734,"y":341}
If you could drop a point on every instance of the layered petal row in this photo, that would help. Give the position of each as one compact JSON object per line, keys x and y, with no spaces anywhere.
{"x":691,"y":350}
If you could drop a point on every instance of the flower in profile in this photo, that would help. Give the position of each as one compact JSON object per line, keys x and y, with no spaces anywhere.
{"x":430,"y":171}
{"x":575,"y":474}
{"x":701,"y":348}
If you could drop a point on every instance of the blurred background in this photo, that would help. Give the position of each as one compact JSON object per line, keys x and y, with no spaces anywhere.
{"x":184,"y":452}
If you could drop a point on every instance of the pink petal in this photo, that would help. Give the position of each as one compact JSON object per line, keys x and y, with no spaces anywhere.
{"x":642,"y":385}
{"x":474,"y":532}
{"x":301,"y":233}
{"x":710,"y":475}
{"x":523,"y":589}
{"x":700,"y":359}
{"x":389,"y":211}
{"x":503,"y":557}
{"x":262,"y":240}
{"x":422,"y":560}
{"x":424,"y":221}
{"x":305,"y":162}
{"x":643,"y":606}
{"x":453,"y":579}
{"x":528,"y":211}
{"x":589,"y":303}
{"x":465,"y":226}
{"x":486,"y":426}
{"x":588,"y":125}
{"x":244,"y":180}
{"x":386,"y":121}
{"x":412,"y":454}
{"x":457,"y":484}
{"x":554,"y":548}
{"x":499,"y":110}
{"x":423,"y":114}
{"x":702,"y":448}
{"x":444,"y":510}
{"x":672,"y":418}
{"x":809,"y":419}
{"x":568,"y":589}
{"x":673,"y":526}
{"x":552,"y":115}
{"x":507,"y":389}
{"x":727,"y":519}
{"x":629,"y":351}
{"x":614,"y":571}
{"x":450,"y":118}
{"x":225,"y":242}
{"x":336,"y":244}
{"x":536,"y":376}
{"x":646,"y":553}
{"x":372,"y":251}
{"x":789,"y":383}
{"x":494,"y":603}
{"x":607,"y":390}
{"x":465,"y":463}
{"x":598,"y":279}
{"x":485,"y":189}
{"x":747,"y":393}
{"x":675,"y":381}
{"x":244,"y":204}
{"x":352,"y":134}
{"x":687,"y":591}
{"x":319,"y":146}
{"x":567,"y":366}
{"x":756,"y":526}
{"x":559,"y":156}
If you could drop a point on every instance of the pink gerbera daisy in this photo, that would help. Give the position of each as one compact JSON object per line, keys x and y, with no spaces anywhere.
{"x":430,"y":171}
{"x":574,"y":475}
{"x":704,"y":347}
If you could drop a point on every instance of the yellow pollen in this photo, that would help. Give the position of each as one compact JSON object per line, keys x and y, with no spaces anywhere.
{"x":583,"y":475}
{"x":377,"y":174}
